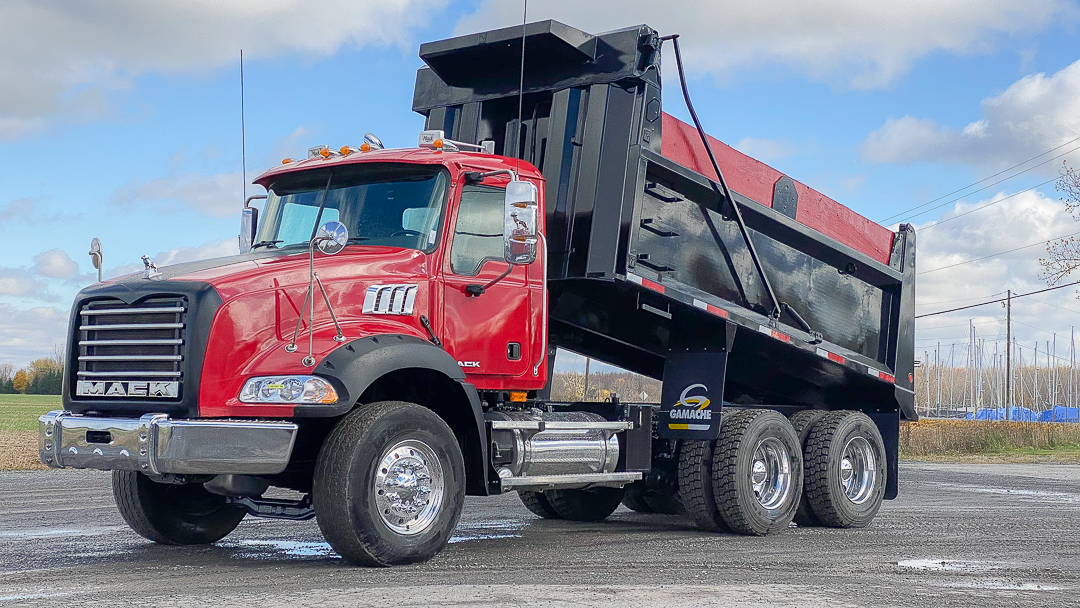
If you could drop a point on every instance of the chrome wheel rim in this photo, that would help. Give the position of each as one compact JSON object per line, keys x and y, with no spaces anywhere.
{"x":408,"y":487}
{"x":770,"y":473}
{"x":858,"y":470}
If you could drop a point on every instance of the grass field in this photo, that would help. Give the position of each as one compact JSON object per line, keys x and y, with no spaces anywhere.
{"x":990,"y":441}
{"x":18,"y":429}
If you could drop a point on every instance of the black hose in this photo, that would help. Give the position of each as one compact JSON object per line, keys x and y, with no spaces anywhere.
{"x":674,"y":38}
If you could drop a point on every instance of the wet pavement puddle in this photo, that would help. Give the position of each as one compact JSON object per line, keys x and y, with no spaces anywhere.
{"x":276,"y":549}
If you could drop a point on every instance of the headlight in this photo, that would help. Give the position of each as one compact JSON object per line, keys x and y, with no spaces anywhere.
{"x":288,"y":389}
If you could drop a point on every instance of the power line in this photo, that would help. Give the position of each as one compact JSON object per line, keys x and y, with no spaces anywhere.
{"x":963,"y":299}
{"x":989,"y":177}
{"x":1000,"y":200}
{"x":1056,"y":306}
{"x":1022,"y":295}
{"x":997,"y":254}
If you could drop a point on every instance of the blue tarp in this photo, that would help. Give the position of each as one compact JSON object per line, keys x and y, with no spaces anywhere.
{"x":1060,"y":413}
{"x":1017,"y":414}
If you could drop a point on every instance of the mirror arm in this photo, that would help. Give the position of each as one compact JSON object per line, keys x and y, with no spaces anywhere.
{"x":475,"y":289}
{"x":475,"y":177}
{"x":254,"y":197}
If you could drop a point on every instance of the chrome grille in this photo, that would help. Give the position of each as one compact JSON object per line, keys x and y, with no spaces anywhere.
{"x":120,"y":341}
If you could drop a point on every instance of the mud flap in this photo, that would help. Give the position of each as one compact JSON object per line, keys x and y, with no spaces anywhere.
{"x":693,"y":392}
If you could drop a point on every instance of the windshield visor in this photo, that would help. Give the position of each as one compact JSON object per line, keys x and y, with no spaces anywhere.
{"x":394,"y":205}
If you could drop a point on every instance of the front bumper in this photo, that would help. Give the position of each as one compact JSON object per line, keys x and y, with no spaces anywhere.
{"x":158,"y":444}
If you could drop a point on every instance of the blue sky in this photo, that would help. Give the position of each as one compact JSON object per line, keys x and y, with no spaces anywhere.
{"x":125,"y":124}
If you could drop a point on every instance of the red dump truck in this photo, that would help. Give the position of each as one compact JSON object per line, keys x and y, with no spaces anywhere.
{"x":384,"y":343}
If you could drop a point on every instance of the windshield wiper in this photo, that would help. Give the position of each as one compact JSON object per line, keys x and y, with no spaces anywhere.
{"x":353,"y":239}
{"x":265,"y":244}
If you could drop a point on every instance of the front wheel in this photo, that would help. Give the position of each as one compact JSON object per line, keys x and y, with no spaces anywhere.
{"x":173,"y":514}
{"x":389,"y":485}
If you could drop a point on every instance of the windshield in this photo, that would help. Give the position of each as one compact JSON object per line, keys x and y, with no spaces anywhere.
{"x":396,"y":205}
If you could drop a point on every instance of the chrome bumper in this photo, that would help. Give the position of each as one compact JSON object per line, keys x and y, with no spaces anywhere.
{"x":157,"y":444}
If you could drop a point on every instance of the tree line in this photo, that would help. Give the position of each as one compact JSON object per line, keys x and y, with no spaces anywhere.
{"x":43,"y":376}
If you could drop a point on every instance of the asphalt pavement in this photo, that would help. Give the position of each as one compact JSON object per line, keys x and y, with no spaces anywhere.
{"x":959,"y":535}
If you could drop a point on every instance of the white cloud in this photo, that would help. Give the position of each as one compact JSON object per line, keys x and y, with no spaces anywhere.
{"x":66,"y":58}
{"x":218,"y":195}
{"x":30,"y":334}
{"x":55,"y":264}
{"x":1036,"y":113}
{"x":863,"y":44}
{"x":1025,"y":219}
{"x":18,"y":209}
{"x":20,"y":283}
{"x":766,"y":150}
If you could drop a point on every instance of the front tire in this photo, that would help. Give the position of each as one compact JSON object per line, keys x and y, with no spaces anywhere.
{"x":389,"y":485}
{"x":173,"y":514}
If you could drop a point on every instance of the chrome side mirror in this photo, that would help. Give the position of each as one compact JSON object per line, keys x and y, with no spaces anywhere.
{"x":520,"y":222}
{"x":249,"y":220}
{"x":249,"y":223}
{"x":331,"y":238}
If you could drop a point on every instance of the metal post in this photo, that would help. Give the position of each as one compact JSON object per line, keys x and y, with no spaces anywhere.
{"x":1008,"y":352}
{"x":937,"y":363}
{"x":585,"y":395}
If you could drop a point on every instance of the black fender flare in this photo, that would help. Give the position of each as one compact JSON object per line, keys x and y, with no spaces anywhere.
{"x":356,"y":365}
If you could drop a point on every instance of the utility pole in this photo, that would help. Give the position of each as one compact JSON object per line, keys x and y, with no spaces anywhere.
{"x":937,"y":364}
{"x":1008,"y":352}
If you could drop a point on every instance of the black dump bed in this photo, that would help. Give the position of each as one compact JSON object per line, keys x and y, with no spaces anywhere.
{"x":648,"y":267}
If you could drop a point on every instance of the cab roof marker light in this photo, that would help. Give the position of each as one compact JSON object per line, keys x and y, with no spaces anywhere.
{"x":435,"y":139}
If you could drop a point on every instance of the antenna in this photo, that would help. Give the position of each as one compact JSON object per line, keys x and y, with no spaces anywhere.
{"x":243,"y":135}
{"x":521,"y":91}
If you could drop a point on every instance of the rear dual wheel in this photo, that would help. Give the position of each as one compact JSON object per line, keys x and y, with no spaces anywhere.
{"x":749,"y":480}
{"x":845,"y":470}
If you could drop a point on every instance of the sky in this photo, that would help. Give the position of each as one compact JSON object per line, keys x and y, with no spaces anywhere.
{"x":121,"y":120}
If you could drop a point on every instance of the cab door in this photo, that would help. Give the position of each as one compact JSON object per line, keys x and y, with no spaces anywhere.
{"x":488,"y":334}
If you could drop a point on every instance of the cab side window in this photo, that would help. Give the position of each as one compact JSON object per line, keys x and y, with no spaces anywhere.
{"x":478,"y":235}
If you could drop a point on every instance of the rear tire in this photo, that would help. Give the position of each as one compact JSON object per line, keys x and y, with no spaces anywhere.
{"x":845,"y":470}
{"x":695,"y":483}
{"x":389,"y":485}
{"x":173,"y":514}
{"x":803,"y":422}
{"x":593,"y":504}
{"x":757,"y":472}
{"x":538,"y":504}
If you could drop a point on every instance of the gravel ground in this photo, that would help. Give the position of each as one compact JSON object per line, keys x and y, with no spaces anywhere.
{"x":959,"y":535}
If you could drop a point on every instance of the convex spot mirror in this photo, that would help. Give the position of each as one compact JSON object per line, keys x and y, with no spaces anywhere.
{"x":95,"y":253}
{"x":332,"y":237}
{"x":520,"y":222}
